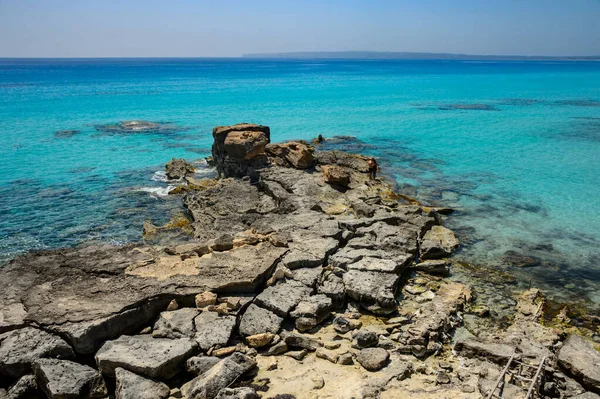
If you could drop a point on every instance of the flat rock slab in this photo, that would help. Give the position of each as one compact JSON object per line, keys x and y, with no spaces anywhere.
{"x":66,"y":379}
{"x":133,"y":386}
{"x":145,"y":355}
{"x":257,"y":320}
{"x":283,"y":296}
{"x":176,"y":324}
{"x":213,"y":330}
{"x":579,"y":358}
{"x":371,"y":286}
{"x":218,"y":377}
{"x":438,"y":243}
{"x":19,"y":349}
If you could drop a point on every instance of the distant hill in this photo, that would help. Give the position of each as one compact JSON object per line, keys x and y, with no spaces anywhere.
{"x":413,"y":56}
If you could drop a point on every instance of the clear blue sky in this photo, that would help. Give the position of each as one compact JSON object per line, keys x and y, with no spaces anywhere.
{"x":196,"y":28}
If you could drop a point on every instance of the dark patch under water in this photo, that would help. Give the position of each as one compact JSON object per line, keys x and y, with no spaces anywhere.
{"x":65,"y":134}
{"x":139,"y":127}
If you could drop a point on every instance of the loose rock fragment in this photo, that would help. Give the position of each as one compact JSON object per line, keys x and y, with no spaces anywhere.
{"x":373,"y":359}
{"x":133,"y":386}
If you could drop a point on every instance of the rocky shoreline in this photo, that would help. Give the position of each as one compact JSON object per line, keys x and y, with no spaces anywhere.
{"x":304,"y":279}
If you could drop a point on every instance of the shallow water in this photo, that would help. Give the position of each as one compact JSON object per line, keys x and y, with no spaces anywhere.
{"x":514,"y":146}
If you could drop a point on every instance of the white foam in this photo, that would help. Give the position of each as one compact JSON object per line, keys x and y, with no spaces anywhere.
{"x":159,"y":176}
{"x":157,"y":192}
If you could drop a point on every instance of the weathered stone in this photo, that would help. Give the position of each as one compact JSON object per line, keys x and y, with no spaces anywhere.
{"x":25,"y":388}
{"x":373,"y":359}
{"x":343,"y":325}
{"x":218,"y":377}
{"x":133,"y":386}
{"x":237,"y":393}
{"x":433,"y":266}
{"x":307,"y":275}
{"x":333,"y":286}
{"x":178,"y":169}
{"x":283,"y":296}
{"x":366,"y":339}
{"x":175,"y":324}
{"x":327,"y":355}
{"x":239,"y":149}
{"x":278,"y":349}
{"x":19,"y":349}
{"x":346,"y":359}
{"x":494,"y":352}
{"x":145,"y":355}
{"x":371,"y":287}
{"x":67,"y":379}
{"x":334,"y":174}
{"x":205,"y":298}
{"x":579,"y":358}
{"x":257,"y":320}
{"x":200,"y":364}
{"x":300,"y":341}
{"x":295,"y":154}
{"x":308,"y":250}
{"x":587,"y":395}
{"x":260,"y":340}
{"x":213,"y":330}
{"x":297,"y":355}
{"x":311,"y":311}
{"x":437,"y":243}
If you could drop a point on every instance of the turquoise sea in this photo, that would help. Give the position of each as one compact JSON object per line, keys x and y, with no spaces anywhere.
{"x":514,"y":146}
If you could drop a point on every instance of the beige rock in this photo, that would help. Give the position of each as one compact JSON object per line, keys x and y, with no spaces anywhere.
{"x":260,"y":340}
{"x":205,"y":298}
{"x":245,"y":145}
{"x":334,"y":174}
{"x":173,"y":305}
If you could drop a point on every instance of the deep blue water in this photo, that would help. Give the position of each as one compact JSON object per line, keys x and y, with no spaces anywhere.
{"x":514,"y":146}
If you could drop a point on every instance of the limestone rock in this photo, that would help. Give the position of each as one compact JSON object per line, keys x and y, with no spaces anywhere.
{"x":218,"y":377}
{"x":296,"y":340}
{"x":133,"y":386}
{"x":278,"y":349}
{"x":373,"y":359}
{"x":19,"y":349}
{"x":205,"y":298}
{"x":327,"y":354}
{"x":437,"y":243}
{"x":257,"y":320}
{"x":25,"y":388}
{"x":332,"y":286}
{"x":67,"y":379}
{"x":213,"y":330}
{"x":494,"y":352}
{"x":343,"y":325}
{"x":283,"y":296}
{"x":374,"y":287}
{"x":145,"y":355}
{"x":175,"y":324}
{"x":200,"y":364}
{"x":311,"y":311}
{"x":260,"y":340}
{"x":239,"y":149}
{"x":178,"y":169}
{"x":579,"y":358}
{"x":433,"y":266}
{"x":334,"y":174}
{"x":366,"y":339}
{"x":295,"y":154}
{"x":307,"y":275}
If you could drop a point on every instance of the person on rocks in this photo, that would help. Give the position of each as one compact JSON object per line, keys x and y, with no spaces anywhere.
{"x":373,"y":166}
{"x":320,"y":139}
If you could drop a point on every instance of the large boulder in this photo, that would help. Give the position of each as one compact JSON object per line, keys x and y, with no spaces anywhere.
{"x":295,"y":154}
{"x":373,"y":359}
{"x":177,"y":169}
{"x":579,"y":358}
{"x":19,"y":349}
{"x":238,"y":150}
{"x":218,"y":377}
{"x":133,"y":386}
{"x":143,"y":354}
{"x":438,"y":242}
{"x":336,"y":175}
{"x":66,"y":379}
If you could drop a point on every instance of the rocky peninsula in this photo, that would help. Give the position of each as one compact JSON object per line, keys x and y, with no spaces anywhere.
{"x":304,"y":279}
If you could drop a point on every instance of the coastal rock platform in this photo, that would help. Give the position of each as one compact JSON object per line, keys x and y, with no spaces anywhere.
{"x":293,"y":285}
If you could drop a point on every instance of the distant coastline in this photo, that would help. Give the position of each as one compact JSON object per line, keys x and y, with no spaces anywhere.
{"x":409,"y":55}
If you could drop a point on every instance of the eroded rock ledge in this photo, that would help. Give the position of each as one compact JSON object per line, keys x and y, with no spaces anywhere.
{"x":304,"y":279}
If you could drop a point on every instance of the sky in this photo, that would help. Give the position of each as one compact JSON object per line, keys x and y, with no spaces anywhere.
{"x":230,"y":28}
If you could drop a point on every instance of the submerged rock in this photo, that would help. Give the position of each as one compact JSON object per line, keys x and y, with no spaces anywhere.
{"x":438,"y":242}
{"x":178,"y":169}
